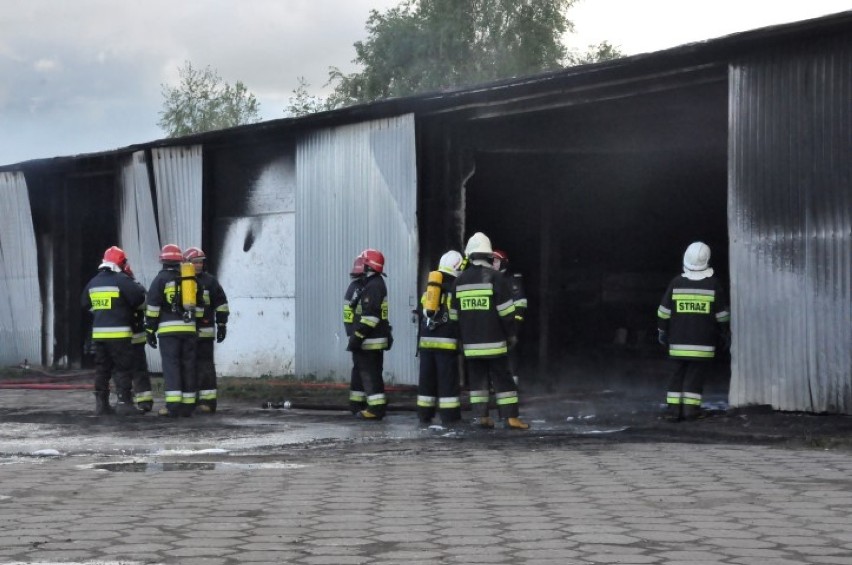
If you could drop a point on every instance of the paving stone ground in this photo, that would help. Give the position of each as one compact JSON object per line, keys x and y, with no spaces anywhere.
{"x":499,"y":497}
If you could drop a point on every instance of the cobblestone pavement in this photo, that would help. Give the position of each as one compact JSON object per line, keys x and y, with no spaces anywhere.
{"x":390,"y":493}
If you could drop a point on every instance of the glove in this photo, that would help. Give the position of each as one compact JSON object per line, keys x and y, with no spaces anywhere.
{"x":354,"y":343}
{"x":512,"y":342}
{"x":221,"y":332}
{"x":152,"y":338}
{"x":663,"y":337}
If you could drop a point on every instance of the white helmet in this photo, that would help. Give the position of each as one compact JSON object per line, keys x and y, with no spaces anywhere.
{"x":696,"y":262}
{"x":478,"y":243}
{"x":450,"y":263}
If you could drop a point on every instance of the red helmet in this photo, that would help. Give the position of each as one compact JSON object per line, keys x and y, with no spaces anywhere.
{"x":501,"y":260}
{"x":170,"y":253}
{"x":373,"y":260}
{"x":357,"y":267}
{"x":115,"y":255}
{"x":194,"y":255}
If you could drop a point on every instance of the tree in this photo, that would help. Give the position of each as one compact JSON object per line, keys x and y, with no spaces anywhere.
{"x":204,"y":102}
{"x":603,"y":51}
{"x":424,"y":45}
{"x":303,"y":103}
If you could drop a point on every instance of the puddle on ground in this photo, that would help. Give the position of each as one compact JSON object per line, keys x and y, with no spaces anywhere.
{"x":165,"y":467}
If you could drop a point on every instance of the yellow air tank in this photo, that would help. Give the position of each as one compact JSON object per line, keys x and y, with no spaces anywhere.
{"x":432,"y":301}
{"x":188,"y":286}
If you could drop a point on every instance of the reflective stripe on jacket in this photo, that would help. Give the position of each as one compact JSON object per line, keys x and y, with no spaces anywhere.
{"x":693,"y":313}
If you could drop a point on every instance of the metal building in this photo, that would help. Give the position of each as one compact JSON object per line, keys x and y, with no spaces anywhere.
{"x":594,"y":179}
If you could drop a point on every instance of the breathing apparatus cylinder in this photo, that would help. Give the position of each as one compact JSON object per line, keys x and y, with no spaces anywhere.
{"x":432,"y":301}
{"x":188,"y":287}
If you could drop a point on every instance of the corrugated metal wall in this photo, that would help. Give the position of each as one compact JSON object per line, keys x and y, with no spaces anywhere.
{"x":257,"y":270}
{"x":20,"y":298}
{"x":177,"y":177}
{"x":136,"y":234}
{"x":790,"y":217}
{"x":356,"y":188}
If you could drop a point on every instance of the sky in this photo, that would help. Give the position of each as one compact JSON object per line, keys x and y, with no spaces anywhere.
{"x":86,"y":76}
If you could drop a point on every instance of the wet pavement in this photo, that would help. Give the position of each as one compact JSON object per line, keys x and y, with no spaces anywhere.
{"x":597,"y":480}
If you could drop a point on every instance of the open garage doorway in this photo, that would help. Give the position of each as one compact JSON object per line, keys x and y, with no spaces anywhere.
{"x":598,"y":235}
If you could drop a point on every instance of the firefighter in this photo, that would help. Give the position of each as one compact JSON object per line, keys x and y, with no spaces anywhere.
{"x":169,"y":321}
{"x":211,"y":317}
{"x":357,"y":397}
{"x":142,"y":394}
{"x":371,"y":335}
{"x":438,"y":385}
{"x":112,"y":299}
{"x":692,"y":316}
{"x":519,"y":299}
{"x":482,"y":302}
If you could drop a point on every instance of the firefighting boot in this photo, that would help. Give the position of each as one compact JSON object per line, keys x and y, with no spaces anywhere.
{"x":691,"y":412}
{"x":516,"y":424}
{"x":102,"y":407}
{"x":207,"y":407}
{"x":145,"y":405}
{"x":125,"y":405}
{"x":484,"y":422}
{"x":673,"y":413}
{"x":367,"y":415}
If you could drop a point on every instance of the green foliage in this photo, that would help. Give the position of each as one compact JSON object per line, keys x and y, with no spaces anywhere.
{"x":603,"y":51}
{"x":303,"y":103}
{"x":204,"y":102}
{"x":428,"y":45}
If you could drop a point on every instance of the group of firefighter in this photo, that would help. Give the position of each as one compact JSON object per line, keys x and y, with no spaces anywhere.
{"x":182,"y":313}
{"x":468,"y":321}
{"x":469,"y":307}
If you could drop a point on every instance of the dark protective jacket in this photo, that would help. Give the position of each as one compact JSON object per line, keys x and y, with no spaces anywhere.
{"x":370,"y":318}
{"x":163,"y":312}
{"x":440,"y":333}
{"x":482,"y":301}
{"x":138,"y":318}
{"x":212,"y":305}
{"x":519,"y":297}
{"x":693,"y":313}
{"x":112,"y":299}
{"x":350,"y":302}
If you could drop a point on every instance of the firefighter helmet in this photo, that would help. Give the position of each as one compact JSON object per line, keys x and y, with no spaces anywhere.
{"x":696,"y":261}
{"x":357,"y":267}
{"x":171,"y":253}
{"x":194,"y":255}
{"x":373,"y":260}
{"x":116,"y":256}
{"x":480,"y":244}
{"x":451,"y":263}
{"x":501,"y":260}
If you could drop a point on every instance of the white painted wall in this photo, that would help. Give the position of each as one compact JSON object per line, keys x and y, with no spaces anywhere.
{"x":258,"y":273}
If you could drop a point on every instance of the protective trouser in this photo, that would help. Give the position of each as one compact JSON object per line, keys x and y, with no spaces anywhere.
{"x":370,"y":365}
{"x":486,"y":374}
{"x":143,"y":396}
{"x":683,"y":399}
{"x":114,"y":359}
{"x":438,"y":386}
{"x":357,"y":396}
{"x":206,"y":372}
{"x":179,"y":382}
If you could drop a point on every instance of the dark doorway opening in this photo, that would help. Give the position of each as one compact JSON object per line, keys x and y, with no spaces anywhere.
{"x":597,"y":238}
